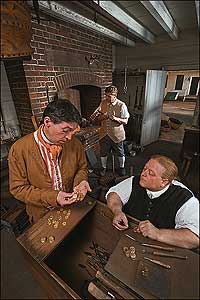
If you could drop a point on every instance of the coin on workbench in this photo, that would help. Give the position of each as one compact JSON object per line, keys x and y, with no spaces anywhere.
{"x":125,"y":249}
{"x":133,"y":256}
{"x":43,"y":240}
{"x":51,"y":239}
{"x":132,"y":248}
{"x":127,"y":253}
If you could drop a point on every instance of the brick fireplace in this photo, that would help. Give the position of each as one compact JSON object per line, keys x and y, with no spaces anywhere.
{"x":69,"y":61}
{"x":84,"y":90}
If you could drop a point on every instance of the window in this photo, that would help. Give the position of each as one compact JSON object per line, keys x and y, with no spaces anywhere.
{"x":194,"y":86}
{"x":179,"y":82}
{"x":166,"y":81}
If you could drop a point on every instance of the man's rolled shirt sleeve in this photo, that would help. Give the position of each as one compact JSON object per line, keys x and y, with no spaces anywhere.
{"x":124,"y":112}
{"x":123,"y":189}
{"x":188,"y":216}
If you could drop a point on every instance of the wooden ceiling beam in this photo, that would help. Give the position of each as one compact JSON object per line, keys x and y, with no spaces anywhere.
{"x":161,"y":14}
{"x":60,"y":11}
{"x":96,"y":8}
{"x":133,"y":26}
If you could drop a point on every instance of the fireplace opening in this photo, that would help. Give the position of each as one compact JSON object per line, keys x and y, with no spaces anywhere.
{"x":85,"y":98}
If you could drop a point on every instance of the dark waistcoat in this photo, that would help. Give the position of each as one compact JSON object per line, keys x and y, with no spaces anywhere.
{"x":159,"y":211}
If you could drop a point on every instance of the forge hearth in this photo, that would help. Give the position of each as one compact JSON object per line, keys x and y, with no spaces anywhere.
{"x":85,"y":98}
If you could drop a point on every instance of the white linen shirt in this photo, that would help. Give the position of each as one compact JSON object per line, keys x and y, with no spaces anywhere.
{"x":124,"y":110}
{"x":186,"y":217}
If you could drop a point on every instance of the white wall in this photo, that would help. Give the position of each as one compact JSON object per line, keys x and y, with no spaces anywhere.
{"x":171,"y":82}
{"x":165,"y":54}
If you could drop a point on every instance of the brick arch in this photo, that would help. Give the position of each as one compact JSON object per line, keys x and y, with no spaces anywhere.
{"x":70,"y":79}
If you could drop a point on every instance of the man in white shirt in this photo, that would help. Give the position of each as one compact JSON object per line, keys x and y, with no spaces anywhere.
{"x":167,"y":210}
{"x":113,"y":115}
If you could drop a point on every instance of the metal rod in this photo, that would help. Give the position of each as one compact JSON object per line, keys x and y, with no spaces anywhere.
{"x":125,"y":78}
{"x":113,"y":163}
{"x":157,"y":262}
{"x":130,"y":237}
{"x":97,"y":253}
{"x":136,"y":94}
{"x":165,"y":254}
{"x":158,"y":247}
{"x":150,"y":245}
{"x":140,"y":101}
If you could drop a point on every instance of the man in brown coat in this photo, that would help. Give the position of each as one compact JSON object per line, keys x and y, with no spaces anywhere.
{"x":48,"y":168}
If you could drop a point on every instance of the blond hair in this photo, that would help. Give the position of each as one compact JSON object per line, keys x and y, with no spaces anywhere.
{"x":112,"y":90}
{"x":171,"y":170}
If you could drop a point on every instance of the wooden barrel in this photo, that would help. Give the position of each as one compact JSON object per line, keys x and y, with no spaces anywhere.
{"x":16,"y":30}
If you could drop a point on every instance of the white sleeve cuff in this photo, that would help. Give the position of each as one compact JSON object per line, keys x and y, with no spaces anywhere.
{"x":191,"y":227}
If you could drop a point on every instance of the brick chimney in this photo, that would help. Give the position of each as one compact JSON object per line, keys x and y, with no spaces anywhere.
{"x":65,"y":56}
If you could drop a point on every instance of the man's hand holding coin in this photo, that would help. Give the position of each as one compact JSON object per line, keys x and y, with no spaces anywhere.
{"x":81,"y":190}
{"x":64,"y":198}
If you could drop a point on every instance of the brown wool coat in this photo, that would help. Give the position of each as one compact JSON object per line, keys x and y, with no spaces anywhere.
{"x":29,"y":178}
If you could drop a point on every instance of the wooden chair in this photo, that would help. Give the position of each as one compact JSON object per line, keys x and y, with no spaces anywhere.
{"x":190,"y":148}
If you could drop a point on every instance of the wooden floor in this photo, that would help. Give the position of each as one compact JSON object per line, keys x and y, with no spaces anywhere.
{"x":179,"y":107}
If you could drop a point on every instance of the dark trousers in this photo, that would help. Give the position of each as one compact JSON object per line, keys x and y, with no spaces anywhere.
{"x":107,"y":144}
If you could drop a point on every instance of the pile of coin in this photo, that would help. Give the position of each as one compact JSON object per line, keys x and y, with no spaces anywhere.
{"x":78,"y":196}
{"x":50,"y":239}
{"x":130,"y":252}
{"x":62,"y":216}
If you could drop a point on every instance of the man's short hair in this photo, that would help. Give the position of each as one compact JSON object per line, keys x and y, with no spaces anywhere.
{"x":111,"y":90}
{"x":171,"y":170}
{"x":62,"y":110}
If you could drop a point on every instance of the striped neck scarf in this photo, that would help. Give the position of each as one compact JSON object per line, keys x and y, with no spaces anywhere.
{"x":50,"y":154}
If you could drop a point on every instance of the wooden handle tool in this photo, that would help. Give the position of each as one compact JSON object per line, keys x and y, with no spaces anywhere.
{"x":157,"y":262}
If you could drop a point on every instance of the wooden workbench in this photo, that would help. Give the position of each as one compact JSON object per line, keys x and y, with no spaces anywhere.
{"x":66,"y":268}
